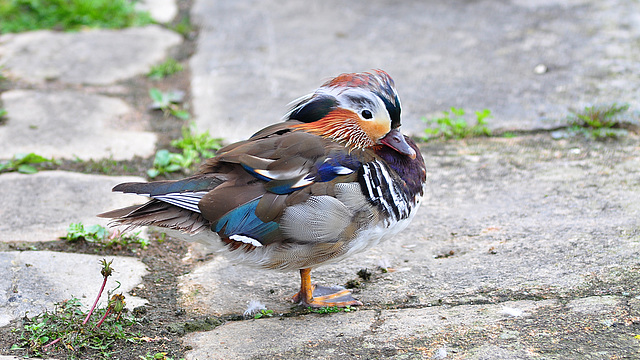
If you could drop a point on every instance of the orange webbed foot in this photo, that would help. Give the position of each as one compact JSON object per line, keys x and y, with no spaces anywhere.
{"x":317,"y":296}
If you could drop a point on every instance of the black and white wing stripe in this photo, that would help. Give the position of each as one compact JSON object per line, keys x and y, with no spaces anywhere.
{"x":382,"y":190}
{"x":185,"y":200}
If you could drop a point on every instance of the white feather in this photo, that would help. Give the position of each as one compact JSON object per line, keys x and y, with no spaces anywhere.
{"x":515,"y":312}
{"x":440,"y":354}
{"x":302,"y":183}
{"x":340,"y":170}
{"x":246,"y":240}
{"x":254,"y":307}
{"x":281,"y":175}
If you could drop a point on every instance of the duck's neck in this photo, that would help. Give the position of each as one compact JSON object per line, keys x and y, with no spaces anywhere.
{"x":412,"y":171}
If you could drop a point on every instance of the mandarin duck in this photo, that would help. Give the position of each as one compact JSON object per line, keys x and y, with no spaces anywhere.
{"x":333,"y":179}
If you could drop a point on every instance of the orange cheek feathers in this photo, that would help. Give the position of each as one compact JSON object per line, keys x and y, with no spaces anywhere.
{"x":344,"y":126}
{"x":375,"y":129}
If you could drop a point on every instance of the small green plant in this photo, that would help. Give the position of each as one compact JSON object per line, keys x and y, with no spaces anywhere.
{"x":107,"y":166}
{"x":161,"y":71}
{"x":156,"y":356}
{"x":330,"y":309}
{"x":93,"y":233}
{"x":98,"y":234}
{"x":167,"y":162}
{"x":599,"y":121}
{"x":184,"y":27}
{"x":63,"y":329}
{"x":69,"y":329}
{"x":106,"y":271}
{"x":263,"y":313}
{"x":169,"y":102}
{"x":26,"y":15}
{"x":159,"y":236}
{"x":202,"y":143}
{"x":119,"y":239}
{"x":453,"y":125}
{"x":25,"y":163}
{"x":3,"y":112}
{"x":195,"y":146}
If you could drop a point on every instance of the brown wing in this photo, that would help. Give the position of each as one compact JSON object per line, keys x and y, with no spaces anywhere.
{"x":246,"y":188}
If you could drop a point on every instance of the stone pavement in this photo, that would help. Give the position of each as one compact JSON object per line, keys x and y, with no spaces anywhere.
{"x":524,"y":248}
{"x":259,"y":55}
{"x":60,"y":110}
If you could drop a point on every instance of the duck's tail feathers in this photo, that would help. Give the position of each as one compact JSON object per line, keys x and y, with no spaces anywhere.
{"x":196,"y":183}
{"x":158,"y":213}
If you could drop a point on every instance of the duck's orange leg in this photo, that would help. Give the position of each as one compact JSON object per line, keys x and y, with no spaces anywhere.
{"x":320,"y":296}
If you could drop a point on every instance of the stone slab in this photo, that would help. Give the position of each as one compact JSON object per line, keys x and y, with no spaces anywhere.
{"x":502,"y":218}
{"x":254,"y":57}
{"x":96,"y":57}
{"x":34,"y":281}
{"x":41,"y":206}
{"x":541,"y":330}
{"x":162,"y":11}
{"x":274,"y":336}
{"x":220,"y":287}
{"x":71,"y":124}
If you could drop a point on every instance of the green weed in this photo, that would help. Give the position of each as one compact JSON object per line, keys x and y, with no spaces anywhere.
{"x":202,"y":143}
{"x":263,"y":313}
{"x":69,"y":329}
{"x":25,"y":163}
{"x":330,"y":309}
{"x":167,"y":162}
{"x":3,"y":113}
{"x":599,"y":116}
{"x":156,"y":356}
{"x":63,"y":329}
{"x":159,"y":236}
{"x":195,"y":147}
{"x":99,"y":235}
{"x":453,"y":125}
{"x":94,"y":233}
{"x":169,"y":102}
{"x":598,"y":122}
{"x":119,"y":239}
{"x":161,"y":71}
{"x":184,"y":27}
{"x":107,"y":166}
{"x":26,"y":15}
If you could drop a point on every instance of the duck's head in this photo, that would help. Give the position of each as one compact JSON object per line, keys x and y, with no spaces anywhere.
{"x":359,"y":110}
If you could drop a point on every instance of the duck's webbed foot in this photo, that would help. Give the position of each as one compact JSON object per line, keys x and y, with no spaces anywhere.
{"x":317,"y":296}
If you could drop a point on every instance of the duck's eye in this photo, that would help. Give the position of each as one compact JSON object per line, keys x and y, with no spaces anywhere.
{"x":366,"y":114}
